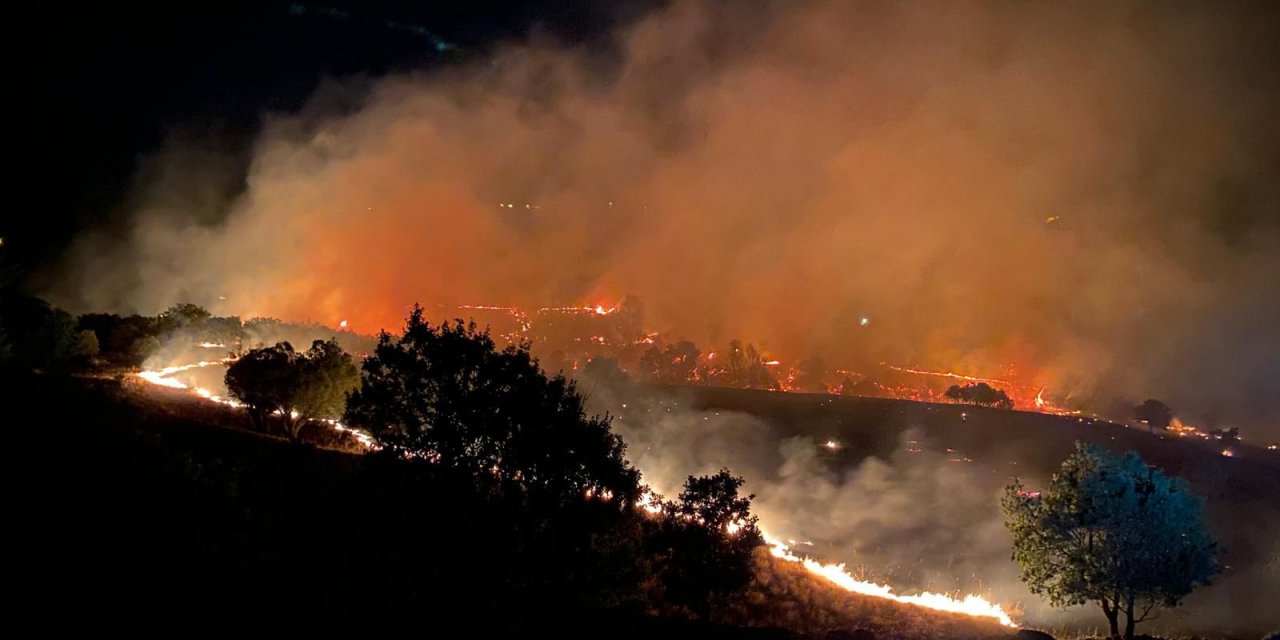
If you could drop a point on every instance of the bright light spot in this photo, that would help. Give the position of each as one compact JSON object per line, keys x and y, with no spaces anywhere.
{"x":832,"y":445}
{"x":1228,"y":453}
{"x":342,"y":325}
{"x":864,"y":321}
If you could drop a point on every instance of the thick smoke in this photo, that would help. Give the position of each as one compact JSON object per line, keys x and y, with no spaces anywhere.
{"x":1085,"y":192}
{"x":922,"y":516}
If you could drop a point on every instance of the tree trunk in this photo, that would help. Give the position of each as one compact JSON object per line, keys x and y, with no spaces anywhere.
{"x":1129,"y":623}
{"x":1113,"y":614}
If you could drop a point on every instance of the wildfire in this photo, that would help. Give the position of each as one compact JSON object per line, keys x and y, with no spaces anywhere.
{"x":971,"y":604}
{"x":948,"y":374}
{"x":164,"y":378}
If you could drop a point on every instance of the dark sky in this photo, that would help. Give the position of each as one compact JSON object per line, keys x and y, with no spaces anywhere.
{"x":105,"y":84}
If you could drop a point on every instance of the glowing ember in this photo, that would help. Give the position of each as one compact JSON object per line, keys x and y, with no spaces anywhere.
{"x":972,"y":605}
{"x":832,"y":444}
{"x":1228,"y":453}
{"x":212,"y":345}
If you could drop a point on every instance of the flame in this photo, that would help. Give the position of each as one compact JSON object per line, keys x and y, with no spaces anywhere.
{"x":163,"y":378}
{"x":972,"y":605}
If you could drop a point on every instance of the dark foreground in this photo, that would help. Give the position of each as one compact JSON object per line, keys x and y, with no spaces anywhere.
{"x":161,"y":514}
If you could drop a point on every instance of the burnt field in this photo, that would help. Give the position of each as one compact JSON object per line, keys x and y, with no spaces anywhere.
{"x":907,"y":492}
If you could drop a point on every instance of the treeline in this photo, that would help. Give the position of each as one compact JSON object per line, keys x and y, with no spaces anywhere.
{"x":37,"y":335}
{"x":447,"y":399}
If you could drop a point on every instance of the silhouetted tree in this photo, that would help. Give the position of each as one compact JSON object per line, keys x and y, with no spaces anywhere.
{"x":86,"y":345}
{"x":710,"y":537}
{"x":604,"y":370}
{"x":181,"y":316}
{"x":296,"y":387}
{"x":745,"y":368}
{"x":39,"y":336}
{"x":673,"y":365}
{"x":979,"y":393}
{"x":1111,"y":530}
{"x":1156,"y":414}
{"x":446,"y":394}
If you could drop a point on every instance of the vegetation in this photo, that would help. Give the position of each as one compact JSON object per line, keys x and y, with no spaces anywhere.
{"x":743,"y":367}
{"x":295,"y":387}
{"x":1154,"y":413}
{"x":1112,"y":530}
{"x":708,"y":538}
{"x":981,"y":394}
{"x":35,"y":335}
{"x":676,"y":364}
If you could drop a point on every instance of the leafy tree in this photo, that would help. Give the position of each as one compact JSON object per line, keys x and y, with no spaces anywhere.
{"x":675,"y":364}
{"x":605,"y":371}
{"x":181,"y":316}
{"x":143,"y":347}
{"x":296,"y":387}
{"x":979,"y":393}
{"x":39,"y":336}
{"x":86,"y":345}
{"x":710,"y":537}
{"x":1112,"y":530}
{"x":745,"y":368}
{"x":446,"y":394}
{"x":1156,"y":414}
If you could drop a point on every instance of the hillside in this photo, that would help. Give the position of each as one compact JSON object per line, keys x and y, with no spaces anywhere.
{"x":877,"y":472}
{"x":152,"y":499}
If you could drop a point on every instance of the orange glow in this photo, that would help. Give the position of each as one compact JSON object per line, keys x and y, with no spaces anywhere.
{"x":971,"y":604}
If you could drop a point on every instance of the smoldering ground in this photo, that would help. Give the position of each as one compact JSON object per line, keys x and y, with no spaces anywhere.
{"x":902,"y":506}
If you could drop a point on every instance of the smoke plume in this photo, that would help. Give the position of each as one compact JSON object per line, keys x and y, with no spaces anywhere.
{"x":1086,"y":192}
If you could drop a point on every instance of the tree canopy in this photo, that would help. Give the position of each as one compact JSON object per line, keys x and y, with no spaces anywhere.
{"x":1112,"y":530}
{"x":674,"y":364}
{"x":1154,"y":413}
{"x":710,"y":537}
{"x":295,"y":387}
{"x":449,"y":395}
{"x":979,"y":393}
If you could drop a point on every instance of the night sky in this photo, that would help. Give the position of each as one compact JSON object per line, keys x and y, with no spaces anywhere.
{"x":104,"y":85}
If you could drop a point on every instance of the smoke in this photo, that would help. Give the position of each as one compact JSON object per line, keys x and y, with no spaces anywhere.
{"x":920,"y":516}
{"x":1084,"y":192}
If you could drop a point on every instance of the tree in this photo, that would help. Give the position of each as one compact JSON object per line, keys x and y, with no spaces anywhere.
{"x":39,"y":336}
{"x":86,"y":345}
{"x":710,"y":537}
{"x":447,"y":395}
{"x":1112,"y":530}
{"x":605,"y":371}
{"x":1156,"y":414}
{"x":181,"y":316}
{"x":673,"y":365}
{"x":745,"y":368}
{"x":296,"y":387}
{"x":979,"y":393}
